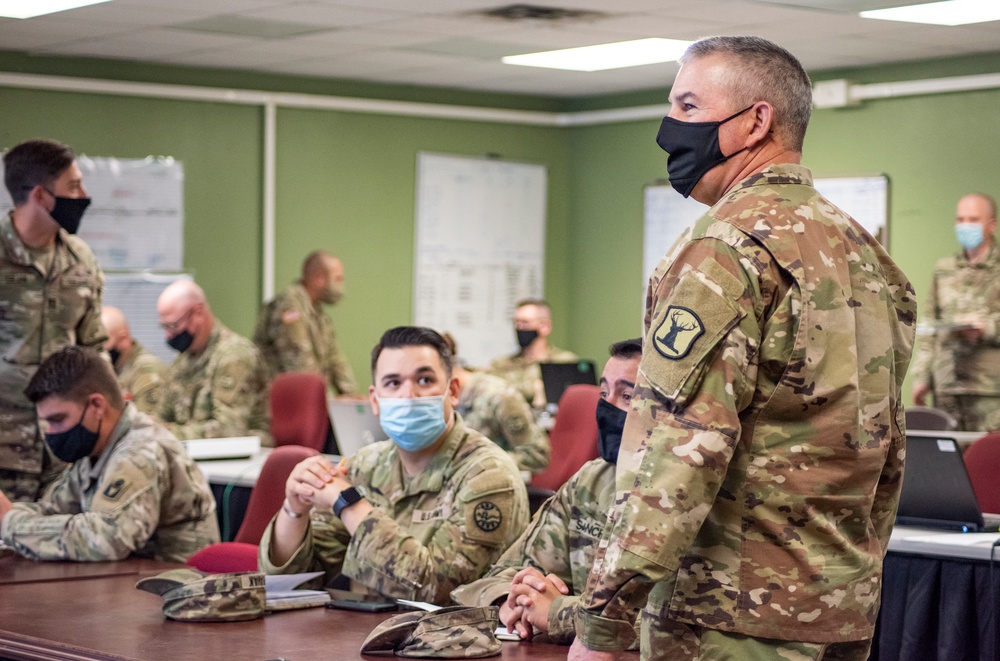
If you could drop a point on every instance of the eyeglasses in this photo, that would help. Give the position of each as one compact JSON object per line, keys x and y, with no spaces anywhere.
{"x":174,"y":327}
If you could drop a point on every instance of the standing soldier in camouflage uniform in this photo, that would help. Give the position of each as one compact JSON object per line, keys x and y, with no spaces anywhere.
{"x":216,"y":385}
{"x":131,"y":488}
{"x":50,"y":297}
{"x":959,"y":356}
{"x":294,"y":335}
{"x":538,"y":580}
{"x":140,"y":373}
{"x":533,"y":324}
{"x":493,"y":408}
{"x":762,"y":457}
{"x":413,"y":517}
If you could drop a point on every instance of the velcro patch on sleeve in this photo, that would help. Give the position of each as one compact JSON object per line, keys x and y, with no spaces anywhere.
{"x":488,"y":503}
{"x":685,"y":331}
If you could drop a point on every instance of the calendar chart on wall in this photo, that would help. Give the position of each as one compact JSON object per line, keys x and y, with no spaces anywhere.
{"x":479,"y":248}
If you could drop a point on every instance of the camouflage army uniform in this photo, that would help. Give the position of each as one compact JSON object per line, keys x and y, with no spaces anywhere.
{"x":526,"y":376}
{"x":561,"y":539}
{"x":762,"y":457}
{"x":47,"y":301}
{"x":219,"y":392}
{"x":140,"y":375}
{"x":143,"y":496}
{"x":964,"y":377}
{"x":294,"y":335}
{"x":427,"y":534}
{"x":492,"y":407}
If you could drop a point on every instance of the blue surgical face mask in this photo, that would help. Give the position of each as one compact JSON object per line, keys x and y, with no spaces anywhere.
{"x":970,"y":235}
{"x":413,"y":423}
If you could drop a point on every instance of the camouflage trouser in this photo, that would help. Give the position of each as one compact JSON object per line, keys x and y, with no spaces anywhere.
{"x":666,"y":640}
{"x":973,"y":412}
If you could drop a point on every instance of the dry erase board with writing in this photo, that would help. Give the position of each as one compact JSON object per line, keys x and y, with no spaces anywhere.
{"x":479,"y":248}
{"x":667,"y":214}
{"x":136,"y":216}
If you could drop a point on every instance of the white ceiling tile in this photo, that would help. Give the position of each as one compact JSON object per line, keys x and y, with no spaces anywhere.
{"x":444,"y":43}
{"x":323,"y":14}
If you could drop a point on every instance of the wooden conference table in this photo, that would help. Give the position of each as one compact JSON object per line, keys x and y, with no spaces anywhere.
{"x":93,"y":611}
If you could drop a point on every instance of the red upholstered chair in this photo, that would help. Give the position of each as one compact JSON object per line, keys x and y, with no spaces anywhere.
{"x":982,"y":460}
{"x":265,"y":499}
{"x":573,"y":438}
{"x":299,"y":414}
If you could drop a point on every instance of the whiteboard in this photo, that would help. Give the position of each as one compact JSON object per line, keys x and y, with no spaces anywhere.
{"x":479,"y":248}
{"x":136,"y":217}
{"x":668,"y":213}
{"x":135,"y":295}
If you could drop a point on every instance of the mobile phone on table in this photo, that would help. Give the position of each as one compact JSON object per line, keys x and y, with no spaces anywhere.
{"x":365,"y":606}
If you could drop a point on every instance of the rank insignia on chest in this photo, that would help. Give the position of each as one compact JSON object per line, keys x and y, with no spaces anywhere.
{"x":487,"y":516}
{"x":677,"y":333}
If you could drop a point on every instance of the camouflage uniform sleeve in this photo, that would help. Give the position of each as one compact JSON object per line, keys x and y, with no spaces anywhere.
{"x":148,"y":387}
{"x":233,"y":398}
{"x":922,"y":368}
{"x":292,"y":343}
{"x":542,"y":545}
{"x":697,"y":372}
{"x":322,"y":549}
{"x":90,"y":331}
{"x":341,"y":374}
{"x":490,"y":510}
{"x":528,"y":443}
{"x":120,"y":520}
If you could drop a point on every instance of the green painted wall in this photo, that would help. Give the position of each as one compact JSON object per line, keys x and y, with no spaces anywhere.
{"x":220,"y":146}
{"x":345,"y":181}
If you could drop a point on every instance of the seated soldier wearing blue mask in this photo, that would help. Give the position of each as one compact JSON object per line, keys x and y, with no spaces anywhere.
{"x":537,"y":580}
{"x":413,"y":517}
{"x":131,"y":488}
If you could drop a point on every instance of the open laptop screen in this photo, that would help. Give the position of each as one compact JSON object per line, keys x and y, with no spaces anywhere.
{"x":936,"y":488}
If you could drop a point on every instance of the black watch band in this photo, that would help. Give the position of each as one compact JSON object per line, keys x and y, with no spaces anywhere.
{"x":347,"y":498}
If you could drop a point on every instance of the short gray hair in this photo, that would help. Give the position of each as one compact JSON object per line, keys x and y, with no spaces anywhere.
{"x":764,"y":72}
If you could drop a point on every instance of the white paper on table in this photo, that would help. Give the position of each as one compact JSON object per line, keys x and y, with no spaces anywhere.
{"x":282,"y":586}
{"x":958,"y":539}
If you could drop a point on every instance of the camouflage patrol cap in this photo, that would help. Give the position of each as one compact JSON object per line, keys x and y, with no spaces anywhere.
{"x":192,"y":596}
{"x":449,"y":633}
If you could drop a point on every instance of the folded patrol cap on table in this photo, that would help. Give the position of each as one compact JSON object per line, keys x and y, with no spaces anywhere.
{"x":448,"y":633}
{"x":192,"y":596}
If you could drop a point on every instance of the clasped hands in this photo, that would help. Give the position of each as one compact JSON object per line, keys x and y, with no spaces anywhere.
{"x":529,"y":600}
{"x":315,"y":482}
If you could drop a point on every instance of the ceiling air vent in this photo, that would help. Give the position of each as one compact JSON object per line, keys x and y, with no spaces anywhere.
{"x":538,"y":13}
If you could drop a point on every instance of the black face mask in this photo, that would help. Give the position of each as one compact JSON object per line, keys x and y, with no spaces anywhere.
{"x":115,"y":354}
{"x":68,"y":211}
{"x":182,"y":341}
{"x":526,"y":337}
{"x":693,"y":148}
{"x":610,"y":423}
{"x":76,"y":443}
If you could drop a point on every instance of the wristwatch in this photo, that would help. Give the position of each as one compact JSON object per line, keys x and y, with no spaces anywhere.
{"x":347,"y":498}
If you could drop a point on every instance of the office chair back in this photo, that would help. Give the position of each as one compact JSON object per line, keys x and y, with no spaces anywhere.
{"x":299,"y":413}
{"x":573,"y":437}
{"x":930,"y":419}
{"x":265,"y":498}
{"x":982,"y":460}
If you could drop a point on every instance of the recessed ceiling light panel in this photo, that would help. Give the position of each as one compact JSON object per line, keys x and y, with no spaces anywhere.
{"x":950,"y":12}
{"x":601,"y":57}
{"x":32,"y":8}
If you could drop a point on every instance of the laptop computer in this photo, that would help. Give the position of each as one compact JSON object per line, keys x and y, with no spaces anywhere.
{"x":556,"y":377}
{"x":354,"y":425}
{"x":936,"y":491}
